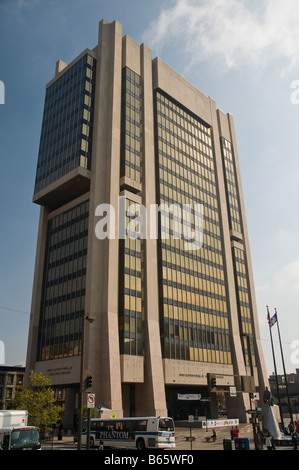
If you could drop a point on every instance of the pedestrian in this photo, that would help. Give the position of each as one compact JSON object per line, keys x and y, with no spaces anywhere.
{"x":236,"y":432}
{"x":101,"y":446}
{"x":295,"y":440}
{"x":291,"y":428}
{"x":232,"y":434}
{"x":60,"y":430}
{"x":269,"y":443}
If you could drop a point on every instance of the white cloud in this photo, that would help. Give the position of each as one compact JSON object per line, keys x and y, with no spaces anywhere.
{"x":18,"y":5}
{"x":230,"y":34}
{"x":281,"y":292}
{"x":288,"y":278}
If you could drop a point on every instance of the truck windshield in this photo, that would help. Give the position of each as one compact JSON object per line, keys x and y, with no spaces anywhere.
{"x":25,"y":438}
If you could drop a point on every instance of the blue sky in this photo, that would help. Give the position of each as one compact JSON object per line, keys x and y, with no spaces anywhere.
{"x":244,"y":54}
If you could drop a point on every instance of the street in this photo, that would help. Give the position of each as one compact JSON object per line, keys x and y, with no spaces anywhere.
{"x":183,"y":443}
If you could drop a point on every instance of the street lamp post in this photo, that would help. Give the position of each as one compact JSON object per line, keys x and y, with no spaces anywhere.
{"x":82,"y":368}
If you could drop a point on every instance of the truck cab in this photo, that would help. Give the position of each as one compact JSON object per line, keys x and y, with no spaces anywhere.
{"x":15,"y":434}
{"x":25,"y":438}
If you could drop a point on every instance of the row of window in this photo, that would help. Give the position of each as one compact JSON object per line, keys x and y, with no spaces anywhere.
{"x":63,"y":298}
{"x":131,"y":125}
{"x":231,"y":186}
{"x":67,"y":124}
{"x":239,"y":260}
{"x":178,"y":350}
{"x":175,"y":112}
{"x":11,"y":379}
{"x":130,"y":292}
{"x":130,"y":249}
{"x":186,"y":173}
{"x":243,"y":297}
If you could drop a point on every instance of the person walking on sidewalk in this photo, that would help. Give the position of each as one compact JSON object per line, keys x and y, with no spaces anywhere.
{"x":295,"y":440}
{"x":269,"y":442}
{"x":236,"y":432}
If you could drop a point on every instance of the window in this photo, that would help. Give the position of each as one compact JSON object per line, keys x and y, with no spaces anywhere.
{"x":68,"y":114}
{"x":192,"y":283}
{"x":131,"y":125}
{"x":63,"y":295}
{"x":130,"y":292}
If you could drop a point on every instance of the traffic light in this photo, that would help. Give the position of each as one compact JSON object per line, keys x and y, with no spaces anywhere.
{"x":212,"y":382}
{"x":88,"y":382}
{"x":248,"y":384}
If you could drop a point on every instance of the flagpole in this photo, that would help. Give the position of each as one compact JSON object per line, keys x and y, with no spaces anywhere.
{"x":275,"y":370}
{"x":284,"y":370}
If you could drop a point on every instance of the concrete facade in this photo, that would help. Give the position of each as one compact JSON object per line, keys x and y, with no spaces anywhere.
{"x":132,"y":383}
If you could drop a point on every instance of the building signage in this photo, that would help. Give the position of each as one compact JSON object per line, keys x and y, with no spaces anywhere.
{"x":219,"y":423}
{"x":189,"y":396}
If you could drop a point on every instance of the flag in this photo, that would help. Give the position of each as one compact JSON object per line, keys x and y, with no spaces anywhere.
{"x":268,"y":316}
{"x":272,"y":320}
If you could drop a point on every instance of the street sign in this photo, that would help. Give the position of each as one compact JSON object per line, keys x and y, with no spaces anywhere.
{"x":254,"y":412}
{"x":91,"y":400}
{"x":232,"y":391}
{"x":191,"y":418}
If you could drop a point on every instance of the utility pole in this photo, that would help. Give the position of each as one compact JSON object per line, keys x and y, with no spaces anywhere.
{"x":255,"y":413}
{"x":284,"y":371}
{"x":81,"y":384}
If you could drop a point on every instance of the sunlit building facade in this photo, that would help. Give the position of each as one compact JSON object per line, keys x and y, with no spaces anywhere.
{"x":124,"y":131}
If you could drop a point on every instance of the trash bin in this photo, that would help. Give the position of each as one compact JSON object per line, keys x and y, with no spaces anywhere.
{"x":227,"y":444}
{"x":242,"y":443}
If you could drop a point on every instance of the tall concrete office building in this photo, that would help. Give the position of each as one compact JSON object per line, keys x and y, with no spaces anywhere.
{"x":151,"y":320}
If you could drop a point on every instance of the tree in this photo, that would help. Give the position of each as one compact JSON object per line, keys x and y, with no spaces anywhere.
{"x":37,"y":398}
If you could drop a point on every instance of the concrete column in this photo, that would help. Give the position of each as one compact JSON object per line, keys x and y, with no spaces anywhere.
{"x":262,"y":375}
{"x":150,"y":396}
{"x":102,"y":339}
{"x":37,"y":292}
{"x":235,"y":406}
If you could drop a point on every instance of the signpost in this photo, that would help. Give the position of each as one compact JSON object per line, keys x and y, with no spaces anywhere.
{"x":90,"y":404}
{"x":191,"y":420}
{"x":90,"y":400}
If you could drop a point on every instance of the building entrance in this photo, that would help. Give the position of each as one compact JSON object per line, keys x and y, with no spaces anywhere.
{"x":180,"y":406}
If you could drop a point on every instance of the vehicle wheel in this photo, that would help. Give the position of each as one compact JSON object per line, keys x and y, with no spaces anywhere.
{"x":140,"y":444}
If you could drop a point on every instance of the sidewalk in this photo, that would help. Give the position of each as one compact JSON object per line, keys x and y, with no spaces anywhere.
{"x":200,"y":436}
